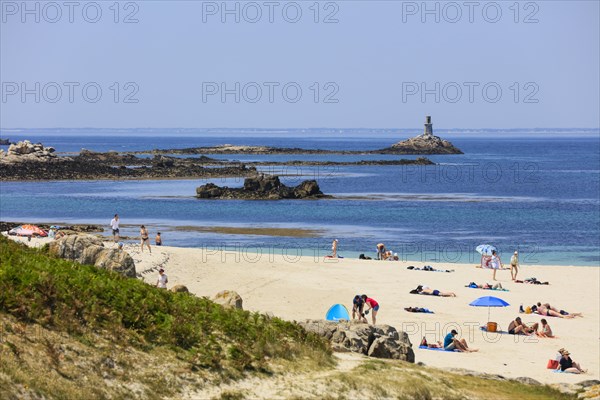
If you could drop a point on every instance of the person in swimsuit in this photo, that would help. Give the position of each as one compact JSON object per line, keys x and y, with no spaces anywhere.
{"x":380,"y":251}
{"x":433,"y":292}
{"x":371,"y":305}
{"x":554,"y":312}
{"x":514,"y":265}
{"x":545,"y":330}
{"x":334,"y":246}
{"x":158,"y":239}
{"x":145,"y":239}
{"x":517,"y":327}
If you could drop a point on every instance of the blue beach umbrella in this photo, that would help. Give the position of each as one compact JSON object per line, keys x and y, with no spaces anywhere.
{"x":489,"y":301}
{"x":485,"y":249}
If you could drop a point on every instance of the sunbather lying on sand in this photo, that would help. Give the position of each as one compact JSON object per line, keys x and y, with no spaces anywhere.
{"x":497,"y":286}
{"x":555,"y":312}
{"x":432,"y":292}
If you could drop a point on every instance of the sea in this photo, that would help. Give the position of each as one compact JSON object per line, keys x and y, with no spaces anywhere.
{"x":535,"y":191}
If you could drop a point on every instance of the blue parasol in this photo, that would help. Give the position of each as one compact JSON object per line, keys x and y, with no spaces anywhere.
{"x":488,"y":301}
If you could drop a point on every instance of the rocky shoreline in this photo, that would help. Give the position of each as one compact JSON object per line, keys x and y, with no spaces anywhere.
{"x":262,"y":188}
{"x":25,"y":161}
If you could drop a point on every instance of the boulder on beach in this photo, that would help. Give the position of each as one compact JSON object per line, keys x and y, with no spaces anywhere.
{"x":180,"y":289}
{"x":380,"y":341}
{"x":229,"y":299}
{"x":89,"y":250}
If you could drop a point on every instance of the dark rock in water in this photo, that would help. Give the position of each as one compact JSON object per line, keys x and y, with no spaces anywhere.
{"x":262,"y":188}
{"x":380,"y":341}
{"x":4,"y":142}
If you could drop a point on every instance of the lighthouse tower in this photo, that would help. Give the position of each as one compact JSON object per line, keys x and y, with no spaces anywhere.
{"x":428,"y":127}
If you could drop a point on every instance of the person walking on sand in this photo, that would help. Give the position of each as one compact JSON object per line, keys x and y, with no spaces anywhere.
{"x":158,"y":240}
{"x":162,"y":279}
{"x":451,"y":343}
{"x":495,"y":263}
{"x":145,"y":239}
{"x":334,"y":248}
{"x":114,"y":225}
{"x":514,"y":265}
{"x":371,"y":305}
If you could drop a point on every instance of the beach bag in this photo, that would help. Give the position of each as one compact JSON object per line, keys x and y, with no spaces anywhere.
{"x":552,"y":364}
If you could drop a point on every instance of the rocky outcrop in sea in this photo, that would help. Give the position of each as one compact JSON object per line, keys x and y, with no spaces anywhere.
{"x":422,"y":144}
{"x":262,"y":187}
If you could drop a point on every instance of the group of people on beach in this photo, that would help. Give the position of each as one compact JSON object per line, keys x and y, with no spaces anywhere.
{"x":494,"y":262}
{"x":144,"y":235}
{"x":361,"y":305}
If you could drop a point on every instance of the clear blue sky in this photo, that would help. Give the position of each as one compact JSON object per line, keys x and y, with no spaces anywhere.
{"x":376,"y":56}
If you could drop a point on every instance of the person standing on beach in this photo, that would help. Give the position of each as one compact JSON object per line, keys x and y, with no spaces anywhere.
{"x":334,"y":248}
{"x":372,"y":305}
{"x":162,"y":281}
{"x":158,"y":240}
{"x":380,"y":251}
{"x":145,"y":239}
{"x":495,"y":263}
{"x":514,"y":265}
{"x":114,"y":224}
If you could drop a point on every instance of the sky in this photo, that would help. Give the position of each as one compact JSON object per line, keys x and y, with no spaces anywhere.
{"x":303,"y":64}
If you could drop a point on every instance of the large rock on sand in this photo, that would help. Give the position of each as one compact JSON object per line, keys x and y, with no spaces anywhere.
{"x":88,"y":249}
{"x":228,"y":298}
{"x":381,"y":341}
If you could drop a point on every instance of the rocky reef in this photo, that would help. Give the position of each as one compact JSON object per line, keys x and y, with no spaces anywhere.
{"x":262,"y":187}
{"x":4,"y":142}
{"x":26,"y":161}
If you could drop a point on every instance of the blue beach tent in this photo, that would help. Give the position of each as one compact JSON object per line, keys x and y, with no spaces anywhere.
{"x":337,"y":312}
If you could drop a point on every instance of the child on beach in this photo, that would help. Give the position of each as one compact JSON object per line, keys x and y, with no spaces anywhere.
{"x":158,"y":240}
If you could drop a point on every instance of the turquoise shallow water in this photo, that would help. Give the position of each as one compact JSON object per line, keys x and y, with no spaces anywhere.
{"x":538,"y":195}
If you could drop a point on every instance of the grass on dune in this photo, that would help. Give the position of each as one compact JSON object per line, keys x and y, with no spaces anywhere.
{"x":78,"y":299}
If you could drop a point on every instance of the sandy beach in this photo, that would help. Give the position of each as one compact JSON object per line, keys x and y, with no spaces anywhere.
{"x":299,"y":288}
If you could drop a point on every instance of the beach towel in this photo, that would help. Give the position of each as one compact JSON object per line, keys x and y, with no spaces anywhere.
{"x":437,"y":349}
{"x":497,"y":289}
{"x":428,"y":268}
{"x":419,"y":310}
{"x":501,"y":332}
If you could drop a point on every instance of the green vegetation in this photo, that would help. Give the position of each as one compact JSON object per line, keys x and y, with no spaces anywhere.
{"x":80,"y":299}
